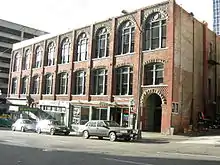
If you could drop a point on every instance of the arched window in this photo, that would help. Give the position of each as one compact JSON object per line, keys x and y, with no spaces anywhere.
{"x":154,"y":73}
{"x":80,"y":83}
{"x":26,"y":60}
{"x":124,"y":80}
{"x":36,"y":84}
{"x":99,"y":82}
{"x":51,"y":54}
{"x":16,"y":62}
{"x":82,"y":47}
{"x":126,"y":41}
{"x":102,"y":43}
{"x":48,"y":84}
{"x":24,"y":85}
{"x":14,"y":85}
{"x":65,"y":51}
{"x":155,"y":32}
{"x":38,"y":57}
{"x":63,"y":89}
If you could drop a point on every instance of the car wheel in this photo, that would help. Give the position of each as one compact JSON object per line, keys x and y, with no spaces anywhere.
{"x":112,"y":136}
{"x":86,"y":134}
{"x":100,"y":138}
{"x":127,"y":139}
{"x":38,"y":131}
{"x":13,"y":128}
{"x":67,"y":133}
{"x":52,"y":132}
{"x":22,"y":129}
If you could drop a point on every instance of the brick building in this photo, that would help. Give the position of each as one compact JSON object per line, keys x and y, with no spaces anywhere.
{"x":93,"y":72}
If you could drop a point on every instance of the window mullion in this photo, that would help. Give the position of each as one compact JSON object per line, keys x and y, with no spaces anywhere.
{"x":160,"y":34}
{"x":121,"y":83}
{"x":106,"y":44}
{"x":122,"y":42}
{"x":130,"y":34}
{"x":154,"y":74}
{"x":150,"y":39}
{"x":103,"y":83}
{"x":128,"y":80}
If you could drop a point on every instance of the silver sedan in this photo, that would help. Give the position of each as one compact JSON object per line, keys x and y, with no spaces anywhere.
{"x":23,"y":125}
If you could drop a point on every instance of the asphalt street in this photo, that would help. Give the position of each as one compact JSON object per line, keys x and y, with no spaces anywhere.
{"x":18,"y":148}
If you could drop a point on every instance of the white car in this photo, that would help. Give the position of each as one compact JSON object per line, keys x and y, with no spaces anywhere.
{"x":23,"y":125}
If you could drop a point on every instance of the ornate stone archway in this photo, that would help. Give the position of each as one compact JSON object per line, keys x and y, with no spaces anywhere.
{"x":148,"y":92}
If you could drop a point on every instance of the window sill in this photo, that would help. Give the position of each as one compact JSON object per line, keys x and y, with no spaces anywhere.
{"x":47,"y":94}
{"x":61,"y":94}
{"x":127,"y":54}
{"x":78,"y":95}
{"x":48,"y":66}
{"x":80,"y":61}
{"x":161,"y":85}
{"x":64,"y":63}
{"x":102,"y":58}
{"x":153,"y":50}
{"x":123,"y":95}
{"x":99,"y":95}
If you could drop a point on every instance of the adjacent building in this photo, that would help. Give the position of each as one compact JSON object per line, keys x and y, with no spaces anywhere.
{"x":157,"y":65}
{"x":11,"y":33}
{"x":216,"y":16}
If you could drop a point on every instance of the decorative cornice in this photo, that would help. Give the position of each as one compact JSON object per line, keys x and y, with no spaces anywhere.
{"x":99,"y":67}
{"x":155,"y":61}
{"x":124,"y":64}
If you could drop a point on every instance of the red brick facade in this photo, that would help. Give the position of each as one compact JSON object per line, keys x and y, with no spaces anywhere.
{"x":179,"y":81}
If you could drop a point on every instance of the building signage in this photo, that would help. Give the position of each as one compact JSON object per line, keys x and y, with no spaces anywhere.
{"x":55,"y":103}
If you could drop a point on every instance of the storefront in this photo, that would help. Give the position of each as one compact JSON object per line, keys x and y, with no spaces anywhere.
{"x":80,"y":114}
{"x":59,"y":110}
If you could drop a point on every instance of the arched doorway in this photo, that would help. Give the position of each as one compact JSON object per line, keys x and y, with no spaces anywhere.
{"x":154,"y":113}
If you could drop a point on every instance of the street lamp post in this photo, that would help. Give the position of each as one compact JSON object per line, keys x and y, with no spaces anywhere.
{"x":140,"y":68}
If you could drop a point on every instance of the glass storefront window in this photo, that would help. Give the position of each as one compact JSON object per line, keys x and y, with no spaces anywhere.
{"x":84,"y":115}
{"x":99,"y":114}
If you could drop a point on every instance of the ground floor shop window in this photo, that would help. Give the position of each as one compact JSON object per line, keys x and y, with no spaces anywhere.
{"x":99,"y":113}
{"x":80,"y":115}
{"x":120,"y":115}
{"x":84,"y":115}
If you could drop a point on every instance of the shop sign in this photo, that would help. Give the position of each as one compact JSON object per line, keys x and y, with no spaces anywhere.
{"x":27,"y":109}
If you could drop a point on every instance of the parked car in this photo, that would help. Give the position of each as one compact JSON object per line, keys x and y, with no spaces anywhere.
{"x":4,"y":122}
{"x":24,"y":125}
{"x":104,"y":128}
{"x":51,"y":126}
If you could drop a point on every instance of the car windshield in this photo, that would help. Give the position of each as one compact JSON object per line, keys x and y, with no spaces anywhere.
{"x":111,"y":124}
{"x":27,"y":121}
{"x":55,"y":123}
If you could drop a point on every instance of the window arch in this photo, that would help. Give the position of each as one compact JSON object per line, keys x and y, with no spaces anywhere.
{"x":63,"y":83}
{"x":82,"y":47}
{"x":124,"y":80}
{"x":99,"y":82}
{"x":16,"y":62}
{"x":38,"y":57}
{"x":51,"y":54}
{"x":36,"y":84}
{"x":14,"y":85}
{"x":26,"y":60}
{"x":126,"y":40}
{"x":155,"y":32}
{"x":102,"y":43}
{"x":49,"y":84}
{"x":24,"y":88}
{"x":65,"y":51}
{"x":154,"y":73}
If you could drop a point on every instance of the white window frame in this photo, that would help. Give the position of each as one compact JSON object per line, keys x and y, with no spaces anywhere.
{"x":64,"y":77}
{"x":96,"y":76}
{"x":154,"y":20}
{"x":26,"y":61}
{"x":82,"y":41}
{"x":50,"y":54}
{"x":38,"y":57}
{"x":128,"y":72}
{"x":65,"y":52}
{"x":154,"y":70}
{"x":36,"y":81}
{"x":80,"y":74}
{"x":130,"y":27}
{"x":24,"y":85}
{"x":16,"y":62}
{"x":102,"y":32}
{"x":49,"y":84}
{"x":14,"y":85}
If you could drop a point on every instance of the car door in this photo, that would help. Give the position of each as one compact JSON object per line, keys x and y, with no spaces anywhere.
{"x":92,"y":127}
{"x":102,"y":130}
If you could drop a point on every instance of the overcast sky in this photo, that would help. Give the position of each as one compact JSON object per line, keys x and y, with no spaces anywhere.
{"x":56,"y":16}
